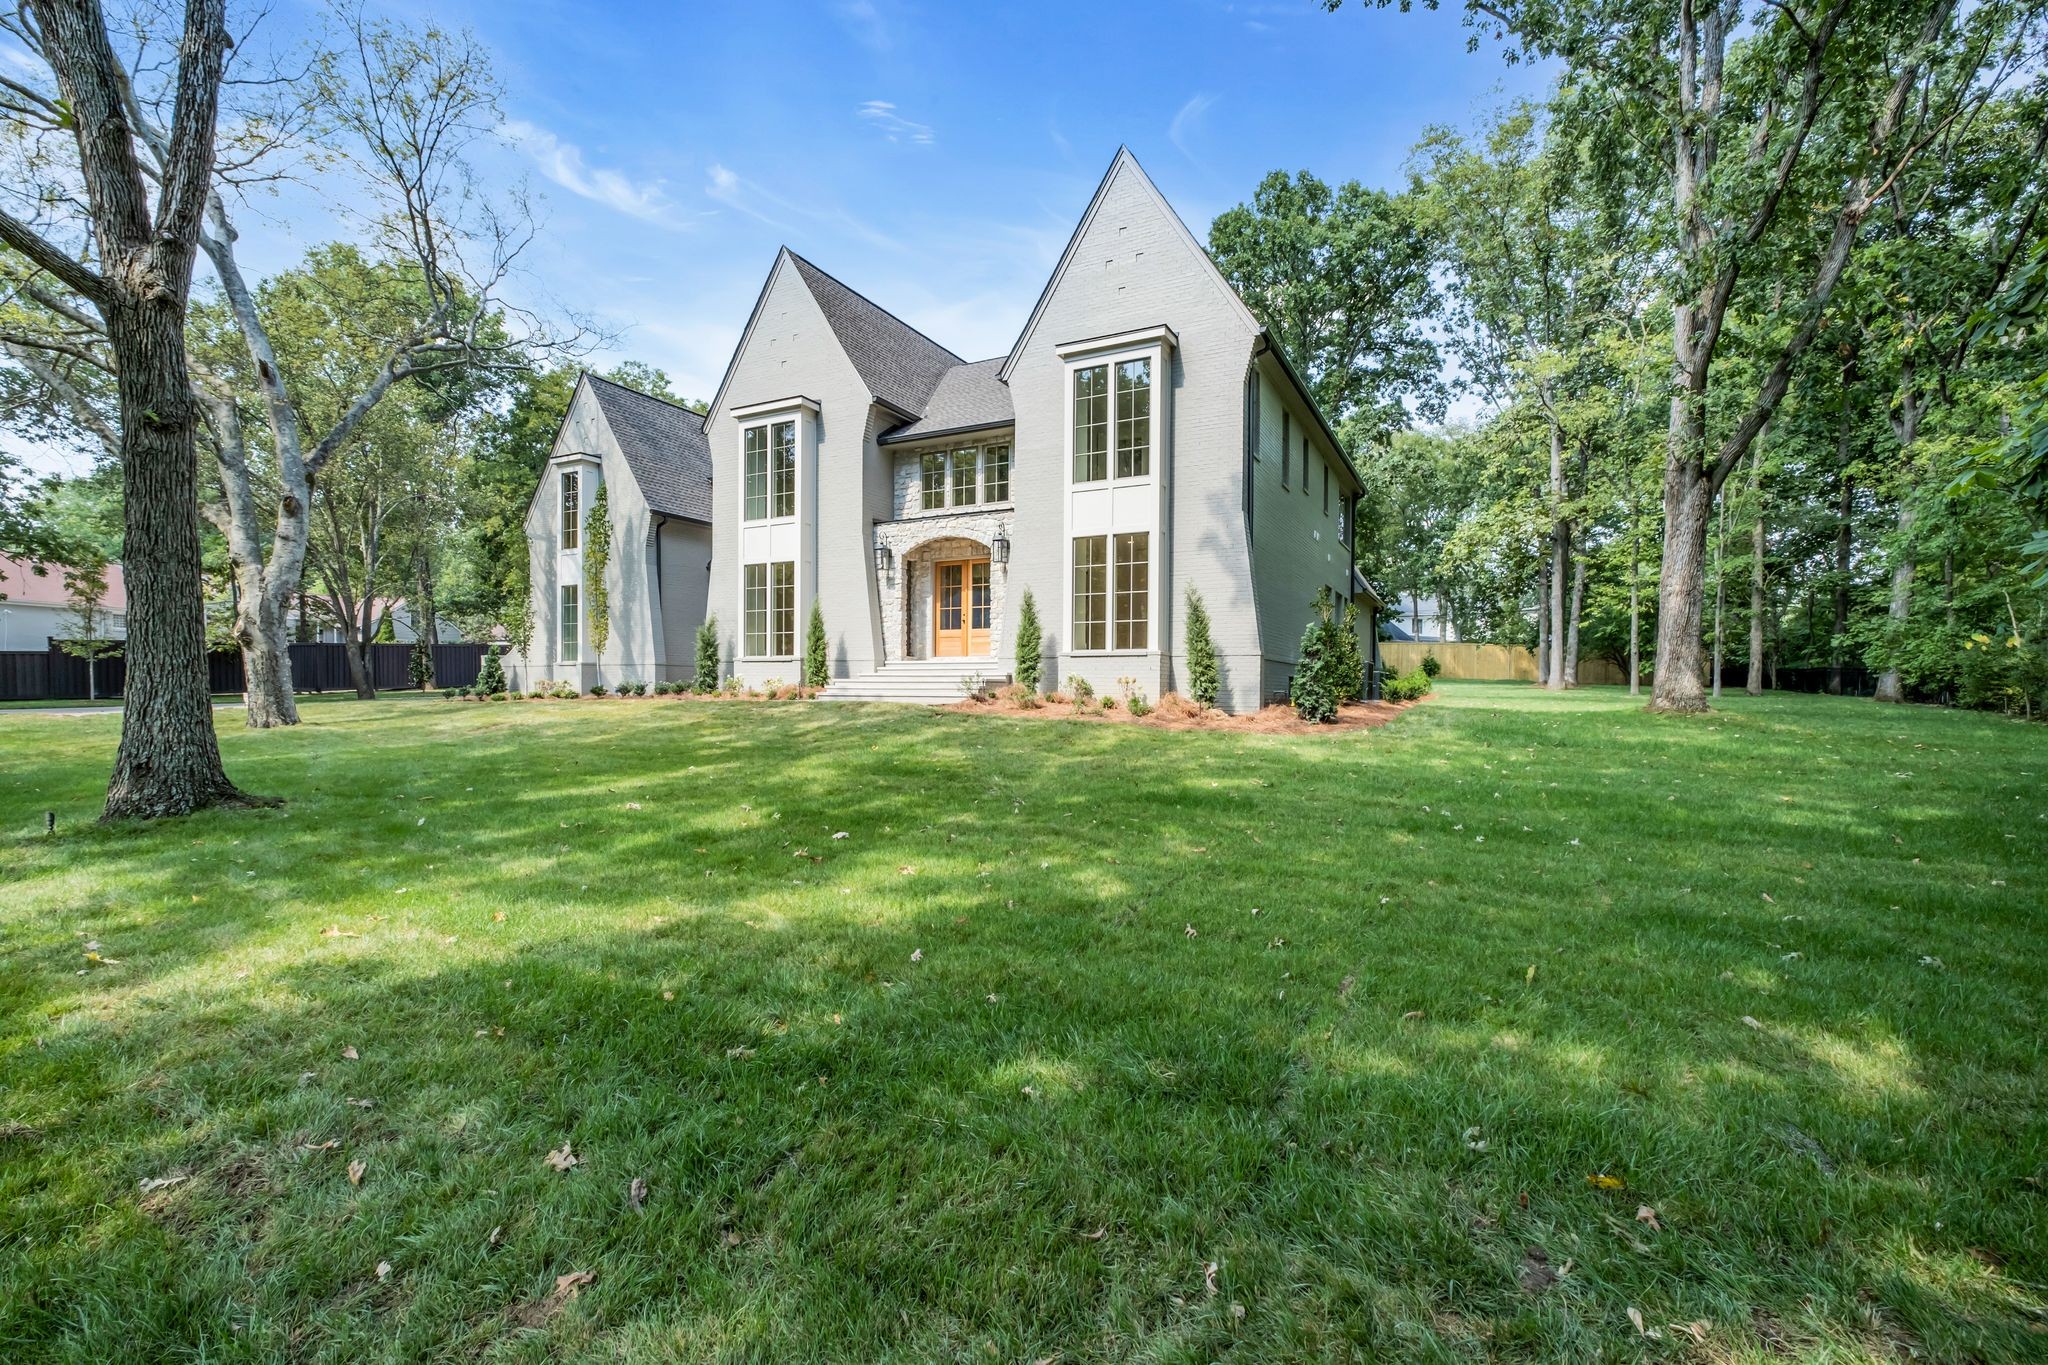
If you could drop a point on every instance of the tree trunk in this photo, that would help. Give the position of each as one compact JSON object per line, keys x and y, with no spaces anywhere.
{"x":1889,"y":686}
{"x":1560,"y":552}
{"x":1755,"y":683}
{"x":1578,"y":604}
{"x":424,"y":626}
{"x":168,"y":762}
{"x":1635,"y":618}
{"x":1837,"y":641}
{"x":1688,"y":495}
{"x":267,"y":670}
{"x":1542,"y":634}
{"x":1720,"y":597}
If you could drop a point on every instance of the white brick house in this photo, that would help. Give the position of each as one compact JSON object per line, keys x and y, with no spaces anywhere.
{"x":1144,"y":437}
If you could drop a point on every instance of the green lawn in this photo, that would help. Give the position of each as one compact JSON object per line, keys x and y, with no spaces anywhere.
{"x":1085,"y":1042}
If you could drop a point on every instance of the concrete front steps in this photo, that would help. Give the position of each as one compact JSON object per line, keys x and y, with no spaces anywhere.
{"x":928,"y":682}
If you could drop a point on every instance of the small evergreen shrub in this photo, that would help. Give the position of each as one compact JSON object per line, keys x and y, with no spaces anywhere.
{"x":817,"y":670}
{"x":490,"y":677}
{"x":1082,"y":691}
{"x":419,"y":665}
{"x":1408,"y":686}
{"x":1204,"y":679}
{"x":1317,"y":689}
{"x":597,"y":689}
{"x":1432,"y":665}
{"x":1030,"y":644}
{"x":707,"y":655}
{"x":1351,"y":657}
{"x":1134,"y":698}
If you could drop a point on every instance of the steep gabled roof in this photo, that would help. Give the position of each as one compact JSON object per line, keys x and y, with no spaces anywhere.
{"x":663,"y":445}
{"x":900,"y":365}
{"x":968,"y":398}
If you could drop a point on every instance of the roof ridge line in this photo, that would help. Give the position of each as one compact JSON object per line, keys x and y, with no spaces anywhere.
{"x":642,"y":393}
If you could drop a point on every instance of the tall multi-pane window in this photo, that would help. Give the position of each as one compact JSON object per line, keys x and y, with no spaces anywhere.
{"x":1286,"y":445}
{"x":571,"y":623}
{"x":964,"y":476}
{"x":754,"y":604}
{"x":782,"y":608}
{"x":1091,"y":592}
{"x":1304,"y":464}
{"x":1326,"y":488}
{"x":995,"y":474}
{"x":782,"y":469}
{"x":1132,"y":608}
{"x":1134,"y":418}
{"x":572,"y":510}
{"x":932,"y":473}
{"x":1091,"y":424}
{"x":756,"y":469}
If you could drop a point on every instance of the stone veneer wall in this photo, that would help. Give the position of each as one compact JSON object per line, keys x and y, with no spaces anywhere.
{"x":905,"y":589}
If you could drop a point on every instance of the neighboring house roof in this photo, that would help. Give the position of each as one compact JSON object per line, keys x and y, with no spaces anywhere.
{"x":900,"y":365}
{"x":21,"y":584}
{"x":968,"y":398}
{"x":664,"y":446}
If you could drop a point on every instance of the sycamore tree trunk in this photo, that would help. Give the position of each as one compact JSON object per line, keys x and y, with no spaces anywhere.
{"x":1542,"y":631}
{"x":1844,"y":546}
{"x":1754,"y":685}
{"x":1560,"y":553}
{"x":1906,"y":427}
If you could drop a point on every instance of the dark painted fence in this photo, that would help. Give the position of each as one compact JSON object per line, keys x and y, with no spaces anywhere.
{"x":53,"y":675}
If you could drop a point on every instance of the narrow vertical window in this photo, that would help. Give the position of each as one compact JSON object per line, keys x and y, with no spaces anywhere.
{"x":571,"y":623}
{"x":995,"y":474}
{"x":1133,"y":604}
{"x":1326,"y":488}
{"x":756,"y":439}
{"x":756,"y":610}
{"x":1091,"y":592}
{"x":1286,"y":445}
{"x":1134,"y":418}
{"x":1304,"y":464}
{"x":782,"y":469}
{"x":965,"y":475}
{"x":1091,"y":424}
{"x":932,"y":477}
{"x":572,"y":510}
{"x":782,"y":608}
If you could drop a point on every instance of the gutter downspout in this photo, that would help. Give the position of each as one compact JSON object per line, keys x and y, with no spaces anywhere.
{"x":660,"y":618}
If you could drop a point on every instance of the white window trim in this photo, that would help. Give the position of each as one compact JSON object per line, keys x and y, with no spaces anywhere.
{"x":793,"y":410}
{"x":1153,"y":344}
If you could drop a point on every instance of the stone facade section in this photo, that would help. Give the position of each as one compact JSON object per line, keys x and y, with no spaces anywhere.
{"x":905,"y":587}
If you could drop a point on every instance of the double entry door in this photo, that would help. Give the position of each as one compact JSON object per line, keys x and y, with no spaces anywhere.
{"x":961,"y":606}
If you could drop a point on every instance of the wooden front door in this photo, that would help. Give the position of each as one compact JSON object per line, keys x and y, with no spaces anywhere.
{"x":961,"y":606}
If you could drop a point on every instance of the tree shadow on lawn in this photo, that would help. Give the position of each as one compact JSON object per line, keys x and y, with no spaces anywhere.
{"x":856,"y":1154}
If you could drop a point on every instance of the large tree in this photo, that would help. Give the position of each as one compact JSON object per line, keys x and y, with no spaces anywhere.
{"x":127,"y":254}
{"x":1341,"y":279}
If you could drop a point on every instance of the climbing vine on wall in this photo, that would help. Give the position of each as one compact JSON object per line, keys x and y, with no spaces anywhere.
{"x":597,"y":554}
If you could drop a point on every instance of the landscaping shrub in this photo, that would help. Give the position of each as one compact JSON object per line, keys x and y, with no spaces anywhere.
{"x":1350,"y":657}
{"x":1432,"y":665}
{"x":597,"y":689}
{"x":1318,"y":678}
{"x":1203,"y":676}
{"x":419,"y":665}
{"x":490,"y":677}
{"x":817,"y":671}
{"x":1030,"y":644}
{"x":707,"y":655}
{"x":1082,"y":691}
{"x":1134,"y":699}
{"x":1407,"y":687}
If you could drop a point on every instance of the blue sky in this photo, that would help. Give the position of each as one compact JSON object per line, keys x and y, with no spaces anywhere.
{"x":935,"y":156}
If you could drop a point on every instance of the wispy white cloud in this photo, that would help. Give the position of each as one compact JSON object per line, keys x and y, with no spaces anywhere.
{"x":882,"y":115}
{"x":867,"y":24}
{"x":563,"y":163}
{"x":1188,"y":121}
{"x":763,"y":205}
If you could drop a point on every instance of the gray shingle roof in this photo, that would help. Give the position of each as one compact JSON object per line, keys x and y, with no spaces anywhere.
{"x":900,"y":365}
{"x":968,"y":398}
{"x":664,"y":445}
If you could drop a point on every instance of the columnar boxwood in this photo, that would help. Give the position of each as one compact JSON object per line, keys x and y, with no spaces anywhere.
{"x":707,"y":655}
{"x":1030,"y":641}
{"x":817,"y":672}
{"x":1203,"y":678}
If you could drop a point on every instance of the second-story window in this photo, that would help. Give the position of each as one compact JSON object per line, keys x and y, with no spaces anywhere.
{"x":1091,"y":424}
{"x":1286,"y":445}
{"x":965,"y":476}
{"x":572,"y":513}
{"x":782,"y":470}
{"x":756,"y":443}
{"x":1134,"y":418}
{"x":932,"y":475}
{"x":995,"y":473}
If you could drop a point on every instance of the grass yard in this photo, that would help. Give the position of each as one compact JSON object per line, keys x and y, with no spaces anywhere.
{"x":1082,"y":1043}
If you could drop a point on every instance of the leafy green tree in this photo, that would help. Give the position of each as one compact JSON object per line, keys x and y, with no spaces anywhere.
{"x":1204,"y":682}
{"x":597,"y":560}
{"x":87,"y":624}
{"x":1342,"y":280}
{"x":490,"y":675}
{"x":1030,"y":644}
{"x":817,"y":667}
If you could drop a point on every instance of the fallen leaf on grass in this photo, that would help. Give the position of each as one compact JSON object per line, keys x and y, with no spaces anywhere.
{"x":349,"y":1054}
{"x":326,"y":1146}
{"x":354,"y":1103}
{"x":1751,"y":1021}
{"x":1635,"y":1315}
{"x":336,"y":931}
{"x":355,"y":1172}
{"x":636,"y":1194}
{"x":1412,"y":1014}
{"x":383,"y":1270}
{"x":496,"y":1233}
{"x":497,"y":917}
{"x":1209,"y":1278}
{"x":1604,"y":1182}
{"x":103,"y":961}
{"x":1096,"y":1235}
{"x":563,"y":1159}
{"x":1646,"y":1214}
{"x":160,"y":1182}
{"x":1696,"y":1329}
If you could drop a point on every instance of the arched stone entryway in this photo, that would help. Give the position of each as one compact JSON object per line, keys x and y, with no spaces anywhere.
{"x":908,"y":587}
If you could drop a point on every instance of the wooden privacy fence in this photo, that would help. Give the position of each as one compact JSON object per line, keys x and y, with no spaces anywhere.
{"x":53,"y":675}
{"x":1490,"y":663}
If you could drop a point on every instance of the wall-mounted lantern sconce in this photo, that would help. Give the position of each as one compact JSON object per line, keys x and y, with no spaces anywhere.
{"x":881,"y":559}
{"x":1000,"y":549}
